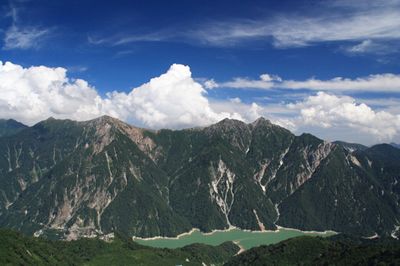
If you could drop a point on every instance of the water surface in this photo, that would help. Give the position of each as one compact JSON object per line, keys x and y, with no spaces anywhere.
{"x":246,"y":239}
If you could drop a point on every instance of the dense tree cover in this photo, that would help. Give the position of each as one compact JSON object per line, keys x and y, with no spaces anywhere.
{"x":103,"y":175}
{"x":10,"y":126}
{"x":307,"y":250}
{"x":17,"y":249}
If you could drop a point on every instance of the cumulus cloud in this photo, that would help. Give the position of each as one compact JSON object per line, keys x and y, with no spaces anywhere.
{"x":268,"y":77}
{"x":341,"y":112}
{"x":32,"y":94}
{"x":387,"y":82}
{"x":277,"y":113}
{"x":171,"y":100}
{"x":176,"y":100}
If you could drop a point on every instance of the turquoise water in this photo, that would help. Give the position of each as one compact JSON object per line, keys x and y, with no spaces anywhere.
{"x":245,"y":239}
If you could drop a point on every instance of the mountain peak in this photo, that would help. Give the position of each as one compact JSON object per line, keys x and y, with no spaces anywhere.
{"x":229,"y":121}
{"x":49,"y":119}
{"x":106,"y":127}
{"x":105,"y":119}
{"x":52,"y":122}
{"x":228,"y":125}
{"x":106,"y":122}
{"x":259,"y":121}
{"x":235,"y":131}
{"x":10,"y":127}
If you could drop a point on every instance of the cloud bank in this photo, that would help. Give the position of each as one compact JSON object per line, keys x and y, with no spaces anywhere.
{"x":343,"y":113}
{"x":386,"y":82}
{"x":35,"y":93}
{"x":171,"y":100}
{"x":176,"y":100}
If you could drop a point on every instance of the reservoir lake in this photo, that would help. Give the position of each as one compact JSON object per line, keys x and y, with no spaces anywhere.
{"x":244,"y":238}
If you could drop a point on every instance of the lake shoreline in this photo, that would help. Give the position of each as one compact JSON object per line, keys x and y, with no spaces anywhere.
{"x":244,"y":239}
{"x":241,"y":248}
{"x":278,"y":230}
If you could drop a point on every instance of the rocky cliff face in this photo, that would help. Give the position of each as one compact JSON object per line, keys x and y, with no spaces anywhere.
{"x":86,"y":178}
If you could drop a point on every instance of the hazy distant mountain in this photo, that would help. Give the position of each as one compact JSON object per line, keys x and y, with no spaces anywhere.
{"x":81,"y":178}
{"x":351,"y":146}
{"x":10,"y":126}
{"x":395,"y":145}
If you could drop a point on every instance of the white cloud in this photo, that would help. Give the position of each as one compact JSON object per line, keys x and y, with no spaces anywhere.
{"x":327,"y":116}
{"x":19,"y":36}
{"x":388,"y":104}
{"x":266,"y":81}
{"x":278,"y":113}
{"x":372,"y":47}
{"x":126,"y":38}
{"x":172,"y":100}
{"x":176,"y":100}
{"x":235,"y":100}
{"x":268,"y":77}
{"x":238,"y":83}
{"x":32,"y":94}
{"x":23,"y":38}
{"x":211,"y":84}
{"x":379,"y":83}
{"x":344,"y":114}
{"x":373,"y":25}
{"x":239,"y":110}
{"x":362,"y":47}
{"x":330,"y":21}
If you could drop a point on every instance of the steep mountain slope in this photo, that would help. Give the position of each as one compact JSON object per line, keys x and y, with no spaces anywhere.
{"x":10,"y":126}
{"x":355,"y":199}
{"x":95,"y":177}
{"x":84,"y":169}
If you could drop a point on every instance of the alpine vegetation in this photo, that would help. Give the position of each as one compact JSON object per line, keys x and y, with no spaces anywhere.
{"x":68,"y":179}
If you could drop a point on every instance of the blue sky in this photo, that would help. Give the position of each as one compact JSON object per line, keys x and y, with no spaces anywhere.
{"x":302,"y":46}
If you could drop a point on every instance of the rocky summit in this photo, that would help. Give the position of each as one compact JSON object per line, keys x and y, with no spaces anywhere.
{"x":66,"y":179}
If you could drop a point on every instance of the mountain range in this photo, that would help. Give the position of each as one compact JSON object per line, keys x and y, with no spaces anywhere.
{"x":67,"y":179}
{"x":10,"y":126}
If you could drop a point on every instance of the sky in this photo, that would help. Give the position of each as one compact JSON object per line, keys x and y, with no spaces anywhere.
{"x":330,"y":68}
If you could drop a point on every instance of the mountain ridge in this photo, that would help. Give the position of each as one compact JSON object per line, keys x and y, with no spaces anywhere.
{"x":94,"y":177}
{"x":10,"y":126}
